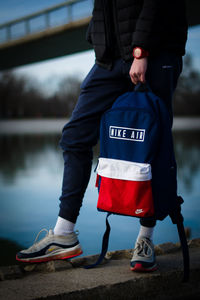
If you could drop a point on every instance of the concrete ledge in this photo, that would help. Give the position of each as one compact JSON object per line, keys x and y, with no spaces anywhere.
{"x":112,"y":280}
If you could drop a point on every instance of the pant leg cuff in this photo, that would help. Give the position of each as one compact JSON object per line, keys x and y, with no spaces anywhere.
{"x":67,"y":216}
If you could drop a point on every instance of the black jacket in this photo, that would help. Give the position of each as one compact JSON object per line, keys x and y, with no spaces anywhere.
{"x":155,"y":25}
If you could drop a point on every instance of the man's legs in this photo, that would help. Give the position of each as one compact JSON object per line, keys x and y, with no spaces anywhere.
{"x":162,"y":75}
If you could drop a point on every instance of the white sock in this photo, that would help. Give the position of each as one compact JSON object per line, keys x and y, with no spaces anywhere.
{"x":63,"y":227}
{"x":146,"y":232}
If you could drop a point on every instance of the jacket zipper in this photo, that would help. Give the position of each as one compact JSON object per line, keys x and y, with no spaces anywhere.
{"x":108,"y":33}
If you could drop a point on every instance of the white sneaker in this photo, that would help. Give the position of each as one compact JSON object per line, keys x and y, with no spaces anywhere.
{"x":51,"y":247}
{"x":143,"y":259}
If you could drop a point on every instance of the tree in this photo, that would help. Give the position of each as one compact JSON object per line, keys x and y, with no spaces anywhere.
{"x":19,"y":98}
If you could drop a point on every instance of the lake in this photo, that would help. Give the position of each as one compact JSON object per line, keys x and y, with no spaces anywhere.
{"x":31,"y":168}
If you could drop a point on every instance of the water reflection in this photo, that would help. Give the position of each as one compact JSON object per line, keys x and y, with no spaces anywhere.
{"x":31,"y":168}
{"x":19,"y":152}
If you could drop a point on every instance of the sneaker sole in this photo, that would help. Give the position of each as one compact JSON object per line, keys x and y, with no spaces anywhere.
{"x":61,"y":255}
{"x":139,"y":268}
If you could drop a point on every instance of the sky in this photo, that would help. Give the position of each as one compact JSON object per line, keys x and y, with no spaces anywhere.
{"x":49,"y":72}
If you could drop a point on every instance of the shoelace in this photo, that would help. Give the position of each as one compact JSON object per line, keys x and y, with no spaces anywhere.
{"x":140,"y":248}
{"x":43,"y":229}
{"x":36,"y":239}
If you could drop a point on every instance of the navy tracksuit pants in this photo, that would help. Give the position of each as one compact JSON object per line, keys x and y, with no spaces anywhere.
{"x":98,"y":92}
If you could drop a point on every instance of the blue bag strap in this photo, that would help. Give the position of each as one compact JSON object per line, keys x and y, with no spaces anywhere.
{"x":142,"y":87}
{"x":104,"y":245}
{"x":177,"y":219}
{"x":185,"y":251}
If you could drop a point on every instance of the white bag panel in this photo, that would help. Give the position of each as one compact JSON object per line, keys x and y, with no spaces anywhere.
{"x":125,"y":170}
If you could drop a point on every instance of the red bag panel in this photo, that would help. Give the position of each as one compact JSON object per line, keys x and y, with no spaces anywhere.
{"x":132,"y":198}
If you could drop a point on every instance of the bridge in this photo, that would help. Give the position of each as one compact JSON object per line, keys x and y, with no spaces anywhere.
{"x":41,"y":35}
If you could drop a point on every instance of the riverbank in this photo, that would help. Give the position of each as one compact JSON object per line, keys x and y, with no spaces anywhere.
{"x":36,"y":126}
{"x":112,"y":280}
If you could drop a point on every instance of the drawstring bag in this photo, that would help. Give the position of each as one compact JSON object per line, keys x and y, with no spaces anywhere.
{"x":136,"y":171}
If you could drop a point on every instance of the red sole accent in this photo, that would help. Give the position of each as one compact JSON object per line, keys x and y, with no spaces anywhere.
{"x":139,"y":268}
{"x":45,"y":259}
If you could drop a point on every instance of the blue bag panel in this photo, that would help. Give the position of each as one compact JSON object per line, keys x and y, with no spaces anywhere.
{"x":129,"y":134}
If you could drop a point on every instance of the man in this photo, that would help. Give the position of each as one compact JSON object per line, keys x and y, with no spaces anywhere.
{"x":134,"y":41}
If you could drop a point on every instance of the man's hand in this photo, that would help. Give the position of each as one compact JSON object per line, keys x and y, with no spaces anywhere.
{"x":138,"y":70}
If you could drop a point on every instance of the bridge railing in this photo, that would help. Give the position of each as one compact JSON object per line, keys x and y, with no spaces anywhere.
{"x":42,"y":20}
